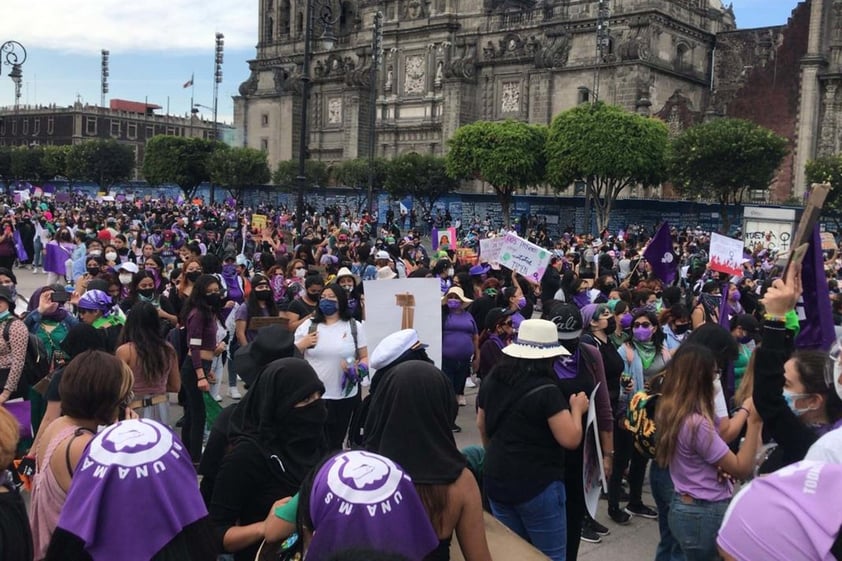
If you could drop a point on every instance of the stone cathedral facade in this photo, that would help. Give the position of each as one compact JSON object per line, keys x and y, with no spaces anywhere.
{"x":450,"y":62}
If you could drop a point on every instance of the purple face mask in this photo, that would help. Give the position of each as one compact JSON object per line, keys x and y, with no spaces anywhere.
{"x":642,"y":334}
{"x":521,"y":302}
{"x":735,"y":296}
{"x":625,"y":320}
{"x":454,"y":304}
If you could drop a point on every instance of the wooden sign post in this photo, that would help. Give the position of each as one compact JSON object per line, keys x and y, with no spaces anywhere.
{"x":407,"y":303}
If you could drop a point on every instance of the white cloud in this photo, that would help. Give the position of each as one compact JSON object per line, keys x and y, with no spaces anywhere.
{"x":86,"y":26}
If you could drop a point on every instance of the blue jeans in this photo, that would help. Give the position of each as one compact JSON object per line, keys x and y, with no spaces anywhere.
{"x":694,"y":524}
{"x":38,"y":258}
{"x":540,"y":521}
{"x":663,"y":491}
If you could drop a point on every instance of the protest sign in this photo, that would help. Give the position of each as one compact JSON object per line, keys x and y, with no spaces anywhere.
{"x":593,"y":472}
{"x":524,"y":258}
{"x":258,"y":221}
{"x":726,"y":254}
{"x":489,"y":249}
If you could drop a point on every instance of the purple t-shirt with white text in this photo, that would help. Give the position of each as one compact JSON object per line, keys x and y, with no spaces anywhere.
{"x":693,"y":466}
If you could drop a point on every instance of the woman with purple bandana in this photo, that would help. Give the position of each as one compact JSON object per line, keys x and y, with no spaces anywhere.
{"x":515,"y":301}
{"x":690,"y":446}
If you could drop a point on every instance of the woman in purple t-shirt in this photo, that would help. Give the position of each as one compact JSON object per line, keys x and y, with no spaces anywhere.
{"x":690,"y":446}
{"x":460,"y":341}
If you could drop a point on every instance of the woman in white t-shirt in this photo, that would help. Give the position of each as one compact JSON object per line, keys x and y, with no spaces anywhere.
{"x":335,"y":346}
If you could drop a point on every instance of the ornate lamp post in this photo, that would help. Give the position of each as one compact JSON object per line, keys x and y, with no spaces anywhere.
{"x":327,"y":21}
{"x":13,"y":54}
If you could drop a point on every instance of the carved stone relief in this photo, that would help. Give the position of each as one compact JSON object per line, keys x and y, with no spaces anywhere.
{"x":414,"y":75}
{"x":510,"y":97}
{"x":334,"y":111}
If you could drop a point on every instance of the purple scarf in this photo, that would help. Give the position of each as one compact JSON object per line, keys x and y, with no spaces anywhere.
{"x":59,"y":315}
{"x":567,"y":367}
{"x":581,"y":299}
{"x":364,"y":500}
{"x":136,"y":466}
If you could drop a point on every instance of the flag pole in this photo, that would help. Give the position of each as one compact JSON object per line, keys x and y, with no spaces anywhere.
{"x":192,"y":91}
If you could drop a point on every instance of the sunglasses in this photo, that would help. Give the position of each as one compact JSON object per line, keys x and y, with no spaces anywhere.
{"x":644,"y":324}
{"x":507,"y":322}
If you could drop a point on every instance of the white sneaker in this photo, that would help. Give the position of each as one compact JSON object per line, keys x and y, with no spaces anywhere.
{"x":469,"y":382}
{"x":218,"y":397}
{"x":234,"y":393}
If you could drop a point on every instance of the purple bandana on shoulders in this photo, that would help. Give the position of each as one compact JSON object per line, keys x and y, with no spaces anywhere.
{"x":364,"y":500}
{"x":133,"y":491}
{"x":566,"y":367}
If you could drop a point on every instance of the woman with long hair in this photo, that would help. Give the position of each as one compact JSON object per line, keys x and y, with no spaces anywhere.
{"x":260,"y":303}
{"x":644,"y":356}
{"x":180,"y":293}
{"x":153,"y":361}
{"x":334,"y":344}
{"x":143,"y":289}
{"x":95,"y":390}
{"x":690,"y":446}
{"x":200,"y":318}
{"x":526,"y":424}
{"x":512,"y":298}
{"x":497,"y":334}
{"x":416,"y":434}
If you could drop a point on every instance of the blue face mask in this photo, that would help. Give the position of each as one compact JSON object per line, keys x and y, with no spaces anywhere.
{"x":328,"y":307}
{"x":5,"y":314}
{"x":790,"y":399}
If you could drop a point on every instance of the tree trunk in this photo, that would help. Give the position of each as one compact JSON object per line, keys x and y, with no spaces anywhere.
{"x":726,"y":221}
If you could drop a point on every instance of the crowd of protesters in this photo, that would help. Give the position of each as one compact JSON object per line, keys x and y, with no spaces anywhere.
{"x":336,"y":449}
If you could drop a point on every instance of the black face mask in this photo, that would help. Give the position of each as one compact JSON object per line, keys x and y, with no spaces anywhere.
{"x":314,"y":297}
{"x":612,"y":325}
{"x":681,"y":329}
{"x":264,"y":295}
{"x":93,"y":271}
{"x":214,"y":300}
{"x":146,"y":292}
{"x":192,"y":276}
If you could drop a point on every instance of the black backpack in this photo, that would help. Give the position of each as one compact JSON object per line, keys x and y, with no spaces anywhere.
{"x":37,"y":363}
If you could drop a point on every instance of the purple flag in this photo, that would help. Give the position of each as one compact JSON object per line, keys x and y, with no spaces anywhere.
{"x":817,"y":328}
{"x":20,"y":411}
{"x":19,"y":249}
{"x":660,"y":256}
{"x":56,"y":257}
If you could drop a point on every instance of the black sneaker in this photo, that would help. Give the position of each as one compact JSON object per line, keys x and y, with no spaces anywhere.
{"x":621,"y":517}
{"x":642,"y":510}
{"x":596,"y":527}
{"x":588,"y":535}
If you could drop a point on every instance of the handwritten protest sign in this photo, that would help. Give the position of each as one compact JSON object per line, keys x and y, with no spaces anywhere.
{"x":524,"y":258}
{"x":258,"y":221}
{"x":726,"y":254}
{"x":489,"y":249}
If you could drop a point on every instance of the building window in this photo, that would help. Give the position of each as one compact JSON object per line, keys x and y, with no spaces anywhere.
{"x":264,"y":120}
{"x":115,"y":128}
{"x":2,"y":129}
{"x":90,"y":125}
{"x":584,"y":95}
{"x":14,"y":127}
{"x":25,"y":129}
{"x":150,"y":132}
{"x":264,"y":144}
{"x":131,"y":130}
{"x":51,"y":125}
{"x":36,"y":126}
{"x":171,"y":131}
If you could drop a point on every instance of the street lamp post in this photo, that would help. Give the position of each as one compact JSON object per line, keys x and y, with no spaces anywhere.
{"x":376,"y":49}
{"x":327,"y":21}
{"x":13,"y":54}
{"x":217,"y":79}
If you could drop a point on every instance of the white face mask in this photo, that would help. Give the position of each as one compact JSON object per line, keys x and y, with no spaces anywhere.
{"x":450,"y":272}
{"x":111,"y":256}
{"x":125,"y":279}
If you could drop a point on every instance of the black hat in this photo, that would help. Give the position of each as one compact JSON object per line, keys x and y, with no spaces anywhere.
{"x":8,"y":273}
{"x":272,"y":342}
{"x":494,"y":315}
{"x":6,"y":294}
{"x":568,"y":320}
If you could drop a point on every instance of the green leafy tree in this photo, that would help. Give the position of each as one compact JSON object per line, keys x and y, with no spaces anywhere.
{"x":104,"y":162}
{"x":354,"y":174}
{"x":509,"y":155}
{"x":54,"y":160}
{"x":174,"y":159}
{"x":286,"y":173}
{"x":606,"y":148}
{"x":828,"y":169}
{"x":422,"y":177}
{"x":238,"y":168}
{"x":724,"y":158}
{"x":6,"y":163}
{"x":25,"y":163}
